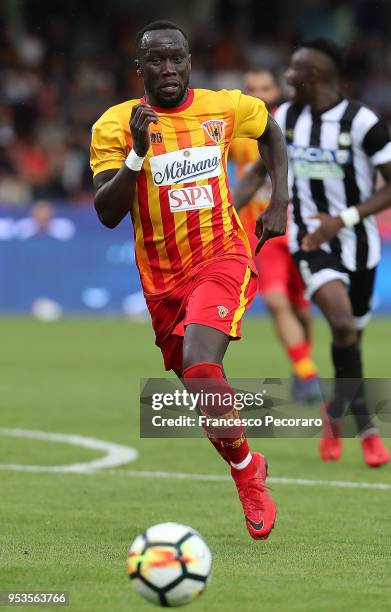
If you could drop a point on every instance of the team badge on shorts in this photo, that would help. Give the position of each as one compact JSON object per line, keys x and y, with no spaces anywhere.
{"x":223,"y":311}
{"x":215,"y":128}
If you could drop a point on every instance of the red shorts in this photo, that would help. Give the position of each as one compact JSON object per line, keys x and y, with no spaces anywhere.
{"x":278,"y":272}
{"x":217,"y":296}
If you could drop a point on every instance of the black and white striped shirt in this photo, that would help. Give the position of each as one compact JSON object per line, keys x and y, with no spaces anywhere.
{"x":333,"y":157}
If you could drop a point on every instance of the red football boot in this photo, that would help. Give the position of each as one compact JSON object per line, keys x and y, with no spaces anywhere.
{"x":258,"y":506}
{"x":374,"y":451}
{"x":330,"y":444}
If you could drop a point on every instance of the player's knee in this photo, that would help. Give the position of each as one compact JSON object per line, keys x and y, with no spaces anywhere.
{"x":277,"y":303}
{"x":343,"y":329}
{"x":303,"y":314}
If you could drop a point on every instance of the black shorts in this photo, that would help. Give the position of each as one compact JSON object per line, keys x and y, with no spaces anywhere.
{"x":318,"y":268}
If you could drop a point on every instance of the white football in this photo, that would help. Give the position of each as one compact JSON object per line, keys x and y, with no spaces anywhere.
{"x":169,"y":564}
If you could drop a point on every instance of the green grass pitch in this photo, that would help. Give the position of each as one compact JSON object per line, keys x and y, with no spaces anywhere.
{"x":330,"y":548}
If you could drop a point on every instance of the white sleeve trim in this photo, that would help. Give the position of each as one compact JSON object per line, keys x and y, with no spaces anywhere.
{"x":383,"y":156}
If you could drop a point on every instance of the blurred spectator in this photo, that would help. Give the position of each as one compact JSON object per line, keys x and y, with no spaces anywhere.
{"x":43,"y":222}
{"x":41,"y":215}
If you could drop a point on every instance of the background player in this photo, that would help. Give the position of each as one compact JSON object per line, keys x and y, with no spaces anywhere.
{"x":335,"y":146}
{"x":280,"y":283}
{"x":167,"y":167}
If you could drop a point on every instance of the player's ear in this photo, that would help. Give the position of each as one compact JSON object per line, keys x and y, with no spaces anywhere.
{"x":138,"y":68}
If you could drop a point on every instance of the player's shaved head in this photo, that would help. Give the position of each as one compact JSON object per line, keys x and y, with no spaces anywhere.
{"x":156,"y":30}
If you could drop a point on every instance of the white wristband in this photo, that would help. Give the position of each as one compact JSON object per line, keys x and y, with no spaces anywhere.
{"x":350,"y":216}
{"x":134,"y":161}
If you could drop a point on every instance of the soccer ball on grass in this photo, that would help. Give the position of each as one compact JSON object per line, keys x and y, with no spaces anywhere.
{"x":169,"y":564}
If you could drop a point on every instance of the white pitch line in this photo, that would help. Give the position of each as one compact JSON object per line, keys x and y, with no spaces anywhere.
{"x":115,"y":454}
{"x":341,"y":484}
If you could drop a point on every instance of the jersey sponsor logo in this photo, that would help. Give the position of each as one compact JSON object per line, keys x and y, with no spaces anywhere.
{"x":186,"y":165}
{"x":317,"y":170}
{"x":223,"y":311}
{"x":316,"y":154}
{"x":190,"y":198}
{"x":215,"y":128}
{"x":318,"y":163}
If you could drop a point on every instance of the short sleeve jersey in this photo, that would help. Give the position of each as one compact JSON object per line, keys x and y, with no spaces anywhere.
{"x":182,"y":212}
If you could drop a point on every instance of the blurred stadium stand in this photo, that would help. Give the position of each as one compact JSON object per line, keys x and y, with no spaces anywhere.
{"x":63,"y":64}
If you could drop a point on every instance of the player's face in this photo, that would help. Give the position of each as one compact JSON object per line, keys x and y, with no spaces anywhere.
{"x":300,"y":75}
{"x":262,"y":85}
{"x":165,"y":67}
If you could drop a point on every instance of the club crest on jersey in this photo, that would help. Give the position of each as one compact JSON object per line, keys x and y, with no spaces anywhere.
{"x":345,"y":139}
{"x":215,"y":128}
{"x":223,"y":311}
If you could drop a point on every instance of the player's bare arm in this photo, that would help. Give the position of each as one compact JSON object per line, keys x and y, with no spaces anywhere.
{"x":115,"y":189}
{"x":272,"y":222}
{"x":330,"y":226}
{"x":247,"y":186}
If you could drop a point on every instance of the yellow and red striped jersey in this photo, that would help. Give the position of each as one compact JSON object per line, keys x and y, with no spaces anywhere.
{"x":244,"y":152}
{"x":182,"y":211}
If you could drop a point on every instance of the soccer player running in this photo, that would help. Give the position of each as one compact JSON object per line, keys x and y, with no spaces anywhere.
{"x":163,"y":159}
{"x":279,"y":281}
{"x":335,"y":147}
